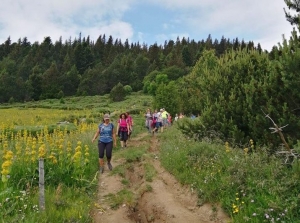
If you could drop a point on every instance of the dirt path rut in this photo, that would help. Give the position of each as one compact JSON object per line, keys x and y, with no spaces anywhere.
{"x":161,"y":200}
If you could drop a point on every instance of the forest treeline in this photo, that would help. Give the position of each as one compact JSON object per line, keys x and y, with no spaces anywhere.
{"x":53,"y":69}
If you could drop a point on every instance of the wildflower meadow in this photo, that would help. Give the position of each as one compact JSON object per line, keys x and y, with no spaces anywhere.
{"x":66,"y":152}
{"x":59,"y":133}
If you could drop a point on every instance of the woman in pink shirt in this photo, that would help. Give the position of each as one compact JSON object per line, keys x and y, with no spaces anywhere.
{"x":123,"y":129}
{"x":130,"y":123}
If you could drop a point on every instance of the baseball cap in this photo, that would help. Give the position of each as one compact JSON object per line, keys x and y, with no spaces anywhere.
{"x":106,"y":116}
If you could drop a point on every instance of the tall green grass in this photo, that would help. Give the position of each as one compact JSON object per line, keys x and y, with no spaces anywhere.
{"x":67,"y":199}
{"x":251,"y":187}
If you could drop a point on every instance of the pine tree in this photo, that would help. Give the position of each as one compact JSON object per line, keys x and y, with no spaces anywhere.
{"x":51,"y":85}
{"x":118,"y":93}
{"x":293,"y":5}
{"x":34,"y":83}
{"x":187,"y":57}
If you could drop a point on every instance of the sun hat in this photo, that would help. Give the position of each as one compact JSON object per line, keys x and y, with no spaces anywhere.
{"x":106,"y":116}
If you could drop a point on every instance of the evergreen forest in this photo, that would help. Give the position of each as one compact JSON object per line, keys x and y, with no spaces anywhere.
{"x":80,"y":66}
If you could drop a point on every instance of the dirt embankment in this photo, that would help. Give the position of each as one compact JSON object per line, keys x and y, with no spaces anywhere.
{"x":167,"y":201}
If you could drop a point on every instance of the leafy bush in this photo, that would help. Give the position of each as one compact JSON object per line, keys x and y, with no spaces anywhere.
{"x":118,"y":93}
{"x":233,"y":92}
{"x":128,"y":89}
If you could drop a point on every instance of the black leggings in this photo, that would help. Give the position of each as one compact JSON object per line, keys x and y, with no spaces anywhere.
{"x":123,"y":135}
{"x":102,"y":146}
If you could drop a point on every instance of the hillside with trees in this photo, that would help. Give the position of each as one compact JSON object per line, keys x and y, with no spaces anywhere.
{"x":230,"y":84}
{"x":80,"y":66}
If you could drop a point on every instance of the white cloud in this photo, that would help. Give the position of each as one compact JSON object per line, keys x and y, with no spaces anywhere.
{"x":260,"y":21}
{"x":186,"y":4}
{"x":117,"y":29}
{"x":37,"y":19}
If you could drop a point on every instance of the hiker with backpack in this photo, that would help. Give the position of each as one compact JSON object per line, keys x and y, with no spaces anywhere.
{"x":158,"y":121}
{"x":130,"y":123}
{"x":106,"y":141}
{"x":148,"y":121}
{"x":123,"y":129}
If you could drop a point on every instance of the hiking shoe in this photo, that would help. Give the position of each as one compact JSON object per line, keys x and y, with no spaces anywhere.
{"x":109,"y":166}
{"x":101,"y":170}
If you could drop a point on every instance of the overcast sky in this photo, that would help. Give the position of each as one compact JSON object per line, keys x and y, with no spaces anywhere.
{"x":146,"y":21}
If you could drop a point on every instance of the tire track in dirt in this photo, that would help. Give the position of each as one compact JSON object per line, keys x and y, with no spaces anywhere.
{"x":167,"y":201}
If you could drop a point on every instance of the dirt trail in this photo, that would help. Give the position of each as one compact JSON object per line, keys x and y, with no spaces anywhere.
{"x":167,"y":201}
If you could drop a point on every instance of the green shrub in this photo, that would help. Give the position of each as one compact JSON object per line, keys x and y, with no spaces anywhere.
{"x":249,"y":185}
{"x":128,"y":89}
{"x":117,"y":93}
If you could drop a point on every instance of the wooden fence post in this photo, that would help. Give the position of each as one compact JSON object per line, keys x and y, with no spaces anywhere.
{"x":41,"y":185}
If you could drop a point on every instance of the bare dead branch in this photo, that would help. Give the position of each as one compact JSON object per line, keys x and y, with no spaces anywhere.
{"x":279,"y":130}
{"x":276,"y":130}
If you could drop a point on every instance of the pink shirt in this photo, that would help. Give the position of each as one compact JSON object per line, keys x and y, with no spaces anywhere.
{"x":122,"y":122}
{"x":129,"y":120}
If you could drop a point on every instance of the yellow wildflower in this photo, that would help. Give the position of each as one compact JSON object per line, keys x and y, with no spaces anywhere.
{"x":6,"y":164}
{"x":8,"y":155}
{"x":42,"y":151}
{"x":5,"y":172}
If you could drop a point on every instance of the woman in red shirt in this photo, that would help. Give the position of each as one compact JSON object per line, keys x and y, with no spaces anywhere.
{"x":123,"y":129}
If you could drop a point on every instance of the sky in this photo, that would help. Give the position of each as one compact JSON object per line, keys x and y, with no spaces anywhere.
{"x":145,"y":21}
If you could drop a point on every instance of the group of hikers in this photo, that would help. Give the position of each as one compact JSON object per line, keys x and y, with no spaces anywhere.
{"x":159,"y":120}
{"x":106,"y":131}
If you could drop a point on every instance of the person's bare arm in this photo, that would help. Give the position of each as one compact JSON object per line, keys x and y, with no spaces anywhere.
{"x":128,"y":128}
{"x":118,"y":126}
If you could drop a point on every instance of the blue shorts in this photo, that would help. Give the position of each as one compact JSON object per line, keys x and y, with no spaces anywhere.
{"x":158,"y":124}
